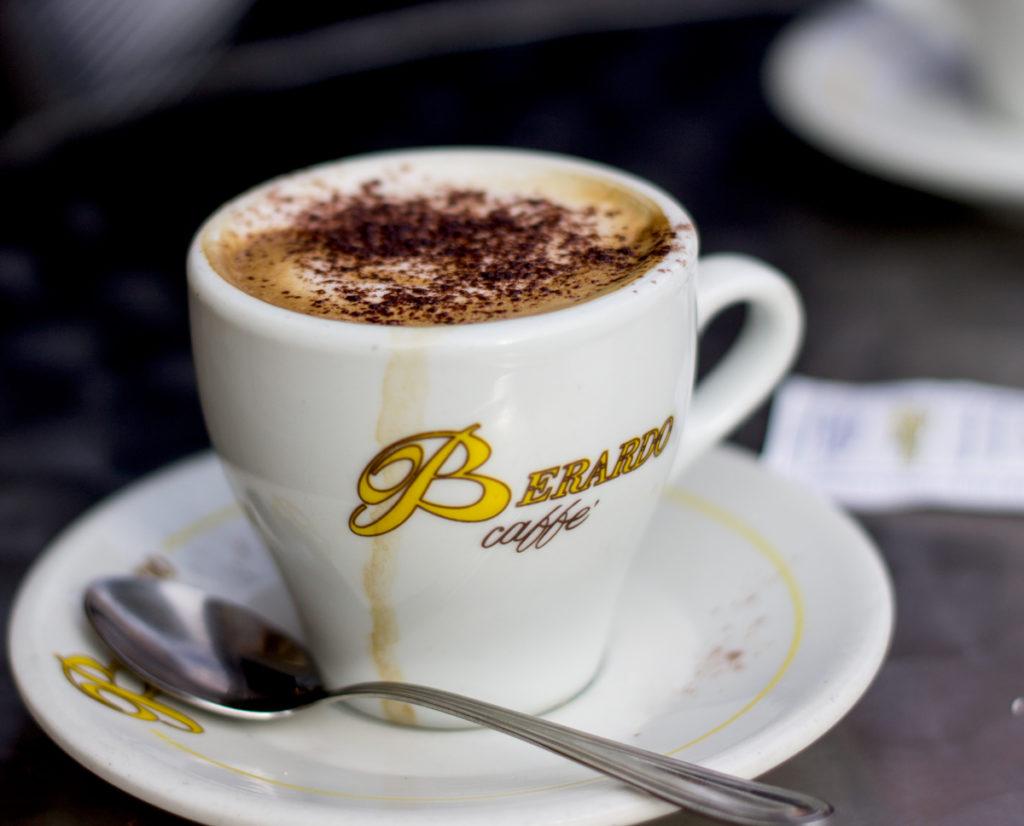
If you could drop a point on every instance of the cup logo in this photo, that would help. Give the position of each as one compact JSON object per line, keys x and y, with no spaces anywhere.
{"x":410,"y":492}
{"x":405,"y":476}
{"x":103,"y":684}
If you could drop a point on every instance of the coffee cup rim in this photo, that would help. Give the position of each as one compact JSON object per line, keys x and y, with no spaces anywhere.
{"x":633,"y":297}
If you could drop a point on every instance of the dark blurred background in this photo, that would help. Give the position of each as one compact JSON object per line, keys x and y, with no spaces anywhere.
{"x":126,"y":123}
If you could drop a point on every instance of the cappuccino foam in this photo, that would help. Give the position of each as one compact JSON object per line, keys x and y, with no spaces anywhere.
{"x":416,"y":245}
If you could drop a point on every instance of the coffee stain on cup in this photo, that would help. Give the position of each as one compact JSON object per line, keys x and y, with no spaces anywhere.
{"x":403,"y":396}
{"x":378,"y":574}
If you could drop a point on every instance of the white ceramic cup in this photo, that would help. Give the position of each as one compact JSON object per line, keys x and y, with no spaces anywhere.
{"x":990,"y":33}
{"x":487,"y":558}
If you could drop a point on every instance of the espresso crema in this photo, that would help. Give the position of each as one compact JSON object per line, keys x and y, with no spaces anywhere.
{"x":423,"y":243}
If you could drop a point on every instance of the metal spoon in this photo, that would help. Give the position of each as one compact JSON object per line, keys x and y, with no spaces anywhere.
{"x":226,"y":659}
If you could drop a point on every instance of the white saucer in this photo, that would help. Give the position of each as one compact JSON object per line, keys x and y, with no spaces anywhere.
{"x":754,"y":619}
{"x":866,"y":87}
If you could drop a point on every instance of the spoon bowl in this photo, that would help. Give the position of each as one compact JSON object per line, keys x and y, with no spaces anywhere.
{"x":225,"y":659}
{"x":204,"y":651}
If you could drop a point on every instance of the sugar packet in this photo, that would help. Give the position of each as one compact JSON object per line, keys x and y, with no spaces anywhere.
{"x":952,"y":444}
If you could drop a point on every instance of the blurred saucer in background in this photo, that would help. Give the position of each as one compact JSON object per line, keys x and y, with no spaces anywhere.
{"x":867,"y":88}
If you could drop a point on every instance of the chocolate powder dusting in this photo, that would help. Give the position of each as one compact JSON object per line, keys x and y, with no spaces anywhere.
{"x":448,"y":256}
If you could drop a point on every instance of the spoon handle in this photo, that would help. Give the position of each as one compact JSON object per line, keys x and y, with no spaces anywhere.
{"x":690,"y":786}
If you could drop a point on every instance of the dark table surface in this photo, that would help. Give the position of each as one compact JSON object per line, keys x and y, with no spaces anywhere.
{"x":97,"y":388}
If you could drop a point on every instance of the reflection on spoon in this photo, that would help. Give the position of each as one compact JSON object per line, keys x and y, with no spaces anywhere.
{"x":225,"y":659}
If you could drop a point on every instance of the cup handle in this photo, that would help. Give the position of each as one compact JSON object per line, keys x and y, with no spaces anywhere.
{"x":761,"y":355}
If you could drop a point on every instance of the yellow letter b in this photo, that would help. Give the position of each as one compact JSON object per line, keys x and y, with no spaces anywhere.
{"x":410,"y":491}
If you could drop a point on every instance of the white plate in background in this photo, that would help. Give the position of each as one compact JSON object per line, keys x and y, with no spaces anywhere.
{"x":869,"y":89}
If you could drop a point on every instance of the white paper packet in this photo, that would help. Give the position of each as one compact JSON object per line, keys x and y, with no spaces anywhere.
{"x":954,"y":444}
